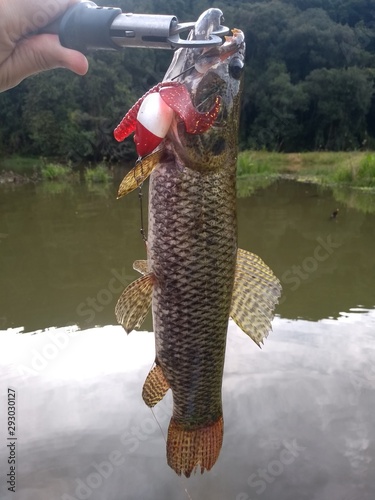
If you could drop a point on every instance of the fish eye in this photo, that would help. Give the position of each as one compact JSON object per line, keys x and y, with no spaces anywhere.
{"x":236,"y":68}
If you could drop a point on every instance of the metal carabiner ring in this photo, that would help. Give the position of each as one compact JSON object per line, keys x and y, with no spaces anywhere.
{"x":214,"y":39}
{"x":178,"y":42}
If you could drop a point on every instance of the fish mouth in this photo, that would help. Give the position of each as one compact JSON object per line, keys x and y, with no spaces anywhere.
{"x":204,"y":71}
{"x":189,"y":64}
{"x":206,"y":75}
{"x":211,"y":67}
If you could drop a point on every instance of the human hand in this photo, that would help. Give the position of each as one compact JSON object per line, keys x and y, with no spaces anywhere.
{"x":22,"y":55}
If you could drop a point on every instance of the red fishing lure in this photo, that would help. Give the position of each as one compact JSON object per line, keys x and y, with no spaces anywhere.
{"x":151,"y":116}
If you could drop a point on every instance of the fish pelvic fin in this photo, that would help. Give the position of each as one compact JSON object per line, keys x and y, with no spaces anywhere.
{"x":141,"y":266}
{"x":134,"y":303}
{"x":255,"y":294}
{"x":188,"y":449}
{"x":137,"y":175}
{"x":155,"y":386}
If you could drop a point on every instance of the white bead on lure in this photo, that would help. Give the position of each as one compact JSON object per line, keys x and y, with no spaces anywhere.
{"x":151,"y":116}
{"x":153,"y":121}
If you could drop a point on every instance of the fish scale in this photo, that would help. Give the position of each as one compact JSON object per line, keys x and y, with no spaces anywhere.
{"x":198,"y":278}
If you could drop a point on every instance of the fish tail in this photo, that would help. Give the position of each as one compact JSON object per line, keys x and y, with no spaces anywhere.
{"x":187,"y":449}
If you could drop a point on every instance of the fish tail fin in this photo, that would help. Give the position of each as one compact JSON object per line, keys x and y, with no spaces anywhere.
{"x":187,"y":449}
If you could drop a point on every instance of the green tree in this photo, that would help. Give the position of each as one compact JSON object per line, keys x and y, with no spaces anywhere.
{"x":308,"y":82}
{"x":339,"y":102}
{"x":278,"y":108}
{"x":314,"y":41}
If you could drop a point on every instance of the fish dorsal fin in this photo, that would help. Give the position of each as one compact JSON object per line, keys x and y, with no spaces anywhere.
{"x":134,"y":303}
{"x":155,"y":386}
{"x":141,"y":266}
{"x":139,"y":173}
{"x":255,"y":295}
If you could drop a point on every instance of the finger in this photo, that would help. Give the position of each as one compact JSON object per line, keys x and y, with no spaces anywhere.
{"x":24,"y":17}
{"x":44,"y":52}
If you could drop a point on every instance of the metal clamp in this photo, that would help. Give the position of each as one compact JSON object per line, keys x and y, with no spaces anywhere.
{"x":85,"y":26}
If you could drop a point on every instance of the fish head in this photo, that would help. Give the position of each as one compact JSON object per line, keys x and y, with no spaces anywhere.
{"x":213,"y":77}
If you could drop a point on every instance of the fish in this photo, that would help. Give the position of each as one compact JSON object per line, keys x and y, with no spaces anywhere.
{"x":195,"y":277}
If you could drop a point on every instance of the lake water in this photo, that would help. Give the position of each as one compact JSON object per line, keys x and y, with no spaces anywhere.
{"x":299,"y":414}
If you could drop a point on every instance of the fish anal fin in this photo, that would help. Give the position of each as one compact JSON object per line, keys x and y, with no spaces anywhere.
{"x":155,"y":386}
{"x":134,"y":303}
{"x":141,"y":266}
{"x":137,"y":175}
{"x":255,"y":294}
{"x":188,"y":449}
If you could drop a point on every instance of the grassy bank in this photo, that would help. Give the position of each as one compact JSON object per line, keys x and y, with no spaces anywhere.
{"x":356,"y":169}
{"x":20,"y":169}
{"x":19,"y":165}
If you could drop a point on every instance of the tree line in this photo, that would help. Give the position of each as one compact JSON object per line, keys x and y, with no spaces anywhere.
{"x":309,"y":83}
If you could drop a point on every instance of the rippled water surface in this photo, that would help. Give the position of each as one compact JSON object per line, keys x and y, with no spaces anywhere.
{"x":298,"y":413}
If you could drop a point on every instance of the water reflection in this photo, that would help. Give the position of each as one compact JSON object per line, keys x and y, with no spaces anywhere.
{"x":67,"y":253}
{"x":325,"y":265}
{"x":362,"y":200}
{"x":298,"y":415}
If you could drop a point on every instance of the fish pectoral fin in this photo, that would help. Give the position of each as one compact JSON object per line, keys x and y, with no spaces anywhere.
{"x":255,"y":294}
{"x":135,"y":301}
{"x":155,"y":386}
{"x":141,"y":266}
{"x":142,"y":170}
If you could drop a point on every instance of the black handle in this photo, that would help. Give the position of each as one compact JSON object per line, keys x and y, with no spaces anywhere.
{"x":86,"y":26}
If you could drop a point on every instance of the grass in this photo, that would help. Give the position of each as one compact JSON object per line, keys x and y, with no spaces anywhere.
{"x":260,"y":163}
{"x":54,"y":172}
{"x":356,"y":168}
{"x":342,"y":175}
{"x":326,"y":158}
{"x":20,"y":165}
{"x":359,"y":172}
{"x":365,"y":175}
{"x":35,"y":168}
{"x":98,"y":174}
